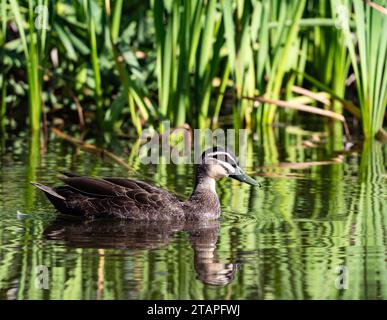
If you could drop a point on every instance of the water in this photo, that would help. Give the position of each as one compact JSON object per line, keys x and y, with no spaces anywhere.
{"x":314,"y":221}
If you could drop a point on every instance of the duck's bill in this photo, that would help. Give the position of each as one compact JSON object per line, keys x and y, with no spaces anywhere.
{"x":243,"y":177}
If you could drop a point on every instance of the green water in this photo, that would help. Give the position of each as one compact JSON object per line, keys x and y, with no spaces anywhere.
{"x":282,"y":241}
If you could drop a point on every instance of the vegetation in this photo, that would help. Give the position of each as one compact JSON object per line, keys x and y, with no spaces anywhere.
{"x":371,"y":75}
{"x":121,"y":66}
{"x":132,"y":64}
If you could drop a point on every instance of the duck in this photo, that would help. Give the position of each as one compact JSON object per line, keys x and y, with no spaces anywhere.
{"x":121,"y":198}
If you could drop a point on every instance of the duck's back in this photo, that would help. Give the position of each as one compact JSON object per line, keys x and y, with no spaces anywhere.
{"x":113,"y":197}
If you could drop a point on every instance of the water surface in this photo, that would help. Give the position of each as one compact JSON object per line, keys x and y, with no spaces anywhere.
{"x":320,"y":211}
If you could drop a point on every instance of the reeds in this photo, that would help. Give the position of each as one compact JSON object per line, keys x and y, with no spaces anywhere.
{"x":89,"y":14}
{"x":370,"y":70}
{"x":186,"y":61}
{"x":34,"y":48}
{"x":189,"y":37}
{"x":3,"y":36}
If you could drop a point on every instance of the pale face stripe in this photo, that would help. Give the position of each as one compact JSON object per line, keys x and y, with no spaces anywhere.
{"x":222,"y":153}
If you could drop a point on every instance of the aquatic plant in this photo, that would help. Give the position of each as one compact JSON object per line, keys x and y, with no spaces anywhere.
{"x":34,"y":50}
{"x":370,"y":64}
{"x":123,"y":65}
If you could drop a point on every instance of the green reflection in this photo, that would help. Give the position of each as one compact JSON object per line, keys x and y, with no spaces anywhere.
{"x":282,"y":241}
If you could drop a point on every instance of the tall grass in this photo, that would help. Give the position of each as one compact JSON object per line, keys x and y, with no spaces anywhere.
{"x":188,"y":47}
{"x":286,"y":38}
{"x":33,"y":48}
{"x":89,"y":13}
{"x":328,"y":45}
{"x":140,"y":107}
{"x":370,"y":70}
{"x":136,"y":64}
{"x":3,"y":36}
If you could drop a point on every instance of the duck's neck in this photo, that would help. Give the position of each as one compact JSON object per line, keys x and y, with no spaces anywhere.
{"x":205,"y":184}
{"x":203,"y":202}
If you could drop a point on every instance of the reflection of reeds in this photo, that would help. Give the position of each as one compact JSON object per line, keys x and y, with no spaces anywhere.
{"x":371,"y":223}
{"x":289,"y":236}
{"x":32,"y":166}
{"x":91,"y":148}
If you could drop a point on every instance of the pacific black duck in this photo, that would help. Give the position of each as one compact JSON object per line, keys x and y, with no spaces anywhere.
{"x":138,"y":200}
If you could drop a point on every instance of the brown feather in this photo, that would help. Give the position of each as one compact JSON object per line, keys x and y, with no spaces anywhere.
{"x":92,"y":186}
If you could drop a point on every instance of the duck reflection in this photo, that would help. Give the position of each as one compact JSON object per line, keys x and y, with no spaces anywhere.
{"x":122,"y":234}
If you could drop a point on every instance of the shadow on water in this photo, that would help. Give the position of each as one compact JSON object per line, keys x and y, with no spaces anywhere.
{"x":116,"y":234}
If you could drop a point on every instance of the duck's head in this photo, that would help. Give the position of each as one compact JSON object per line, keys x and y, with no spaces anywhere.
{"x":218,"y":163}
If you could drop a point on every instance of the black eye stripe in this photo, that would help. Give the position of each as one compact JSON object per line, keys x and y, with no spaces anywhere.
{"x":224,"y":167}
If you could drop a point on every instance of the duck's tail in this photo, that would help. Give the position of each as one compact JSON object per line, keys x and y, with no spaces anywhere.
{"x":60,"y":197}
{"x":48,"y":191}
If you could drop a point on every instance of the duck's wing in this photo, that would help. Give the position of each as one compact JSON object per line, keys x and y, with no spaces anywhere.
{"x":69,"y":174}
{"x":137,"y":185}
{"x":93,"y":187}
{"x":141,"y":193}
{"x":126,"y":183}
